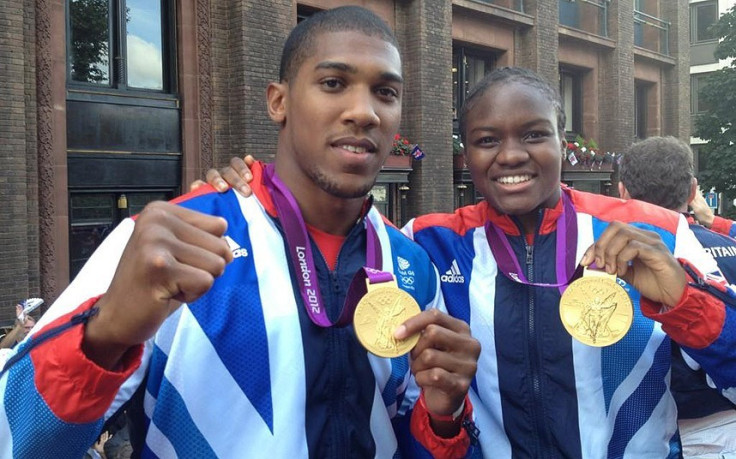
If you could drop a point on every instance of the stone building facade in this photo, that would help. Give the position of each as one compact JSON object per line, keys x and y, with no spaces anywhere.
{"x":87,"y":141}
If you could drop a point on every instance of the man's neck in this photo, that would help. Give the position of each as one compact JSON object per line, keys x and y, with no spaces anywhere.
{"x":323,"y":211}
{"x":333,"y":216}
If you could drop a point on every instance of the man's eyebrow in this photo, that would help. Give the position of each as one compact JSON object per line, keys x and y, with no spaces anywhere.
{"x":392,"y":76}
{"x":332,"y":65}
{"x":343,"y":67}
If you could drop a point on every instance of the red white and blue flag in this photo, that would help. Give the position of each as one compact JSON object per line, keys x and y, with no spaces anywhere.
{"x":417,"y":153}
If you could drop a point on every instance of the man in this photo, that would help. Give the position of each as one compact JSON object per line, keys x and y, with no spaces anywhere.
{"x":660,"y":170}
{"x":235,"y":363}
{"x":24,"y":322}
{"x":538,"y":391}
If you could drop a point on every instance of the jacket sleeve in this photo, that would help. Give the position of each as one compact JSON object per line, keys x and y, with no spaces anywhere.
{"x":724,"y":226}
{"x":53,"y":400}
{"x":412,"y":427}
{"x":702,"y":323}
{"x":705,"y":329}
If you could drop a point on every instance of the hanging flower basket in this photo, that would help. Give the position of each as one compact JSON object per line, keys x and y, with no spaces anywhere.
{"x":582,"y":154}
{"x":397,"y":162}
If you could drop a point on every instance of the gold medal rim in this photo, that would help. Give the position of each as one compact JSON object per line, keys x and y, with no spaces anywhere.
{"x":565,"y":304}
{"x":363,"y":303}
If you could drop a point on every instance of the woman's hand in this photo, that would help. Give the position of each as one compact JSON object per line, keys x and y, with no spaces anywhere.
{"x":236,"y":175}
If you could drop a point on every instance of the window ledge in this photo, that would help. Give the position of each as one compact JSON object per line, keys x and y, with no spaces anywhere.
{"x":500,"y":12}
{"x":110,"y":96}
{"x":713,"y":41}
{"x":587,"y":37}
{"x":643,"y":53}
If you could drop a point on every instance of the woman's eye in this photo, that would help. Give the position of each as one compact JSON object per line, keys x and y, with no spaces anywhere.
{"x":488,"y":140}
{"x":536,"y":135}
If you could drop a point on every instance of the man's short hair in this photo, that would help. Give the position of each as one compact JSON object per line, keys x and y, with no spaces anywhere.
{"x":300,"y":43}
{"x":658,"y":170}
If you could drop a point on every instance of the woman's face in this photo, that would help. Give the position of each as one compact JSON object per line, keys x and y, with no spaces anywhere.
{"x":514,"y":149}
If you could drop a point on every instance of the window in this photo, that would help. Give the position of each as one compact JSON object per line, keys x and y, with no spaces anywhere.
{"x":390,"y":199}
{"x":517,"y":5}
{"x":571,"y":91}
{"x":381,"y":199}
{"x":469,"y":66}
{"x":697,"y":83}
{"x":702,"y":16}
{"x":466,"y":194}
{"x":94,"y":215}
{"x":120,"y":44}
{"x":588,"y":15}
{"x":569,"y":11}
{"x":640,"y":109}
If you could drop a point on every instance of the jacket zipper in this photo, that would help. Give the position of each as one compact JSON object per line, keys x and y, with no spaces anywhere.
{"x":533,"y":354}
{"x":542,"y":437}
{"x":341,"y":446}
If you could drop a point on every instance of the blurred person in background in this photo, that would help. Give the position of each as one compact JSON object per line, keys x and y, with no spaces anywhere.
{"x":659,"y":170}
{"x":24,"y":322}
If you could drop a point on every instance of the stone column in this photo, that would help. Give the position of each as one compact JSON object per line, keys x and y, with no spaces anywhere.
{"x":539,"y":44}
{"x":676,"y":85}
{"x":17,"y":155}
{"x":247,"y":41}
{"x":424,"y":31}
{"x":616,"y":80}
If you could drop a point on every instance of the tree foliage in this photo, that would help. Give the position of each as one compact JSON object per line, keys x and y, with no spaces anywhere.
{"x":717,"y":125}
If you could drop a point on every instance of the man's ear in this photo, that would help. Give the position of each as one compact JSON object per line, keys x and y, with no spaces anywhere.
{"x":276,"y":101}
{"x":693,"y":190}
{"x":623,"y":193}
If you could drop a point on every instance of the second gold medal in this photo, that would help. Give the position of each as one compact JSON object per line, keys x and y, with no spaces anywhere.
{"x":596,"y":310}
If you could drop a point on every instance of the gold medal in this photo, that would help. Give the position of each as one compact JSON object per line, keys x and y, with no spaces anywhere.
{"x":377,"y":316}
{"x":596,"y":310}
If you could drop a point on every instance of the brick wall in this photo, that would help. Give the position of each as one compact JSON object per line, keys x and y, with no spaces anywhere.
{"x":29,"y":38}
{"x":240,"y":41}
{"x":676,"y":86}
{"x":539,"y":44}
{"x":15,"y":240}
{"x":247,"y":41}
{"x":424,"y":32}
{"x":616,"y":109}
{"x":219,"y":19}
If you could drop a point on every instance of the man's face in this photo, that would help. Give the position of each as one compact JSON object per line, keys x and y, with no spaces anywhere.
{"x":28,"y":324}
{"x":28,"y":321}
{"x":514,"y":151}
{"x":339,"y":114}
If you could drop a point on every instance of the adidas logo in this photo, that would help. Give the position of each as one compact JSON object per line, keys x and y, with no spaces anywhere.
{"x":453,"y":275}
{"x":235,"y":248}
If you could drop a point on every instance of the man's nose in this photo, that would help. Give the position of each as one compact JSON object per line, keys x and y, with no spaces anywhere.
{"x":362,"y":108}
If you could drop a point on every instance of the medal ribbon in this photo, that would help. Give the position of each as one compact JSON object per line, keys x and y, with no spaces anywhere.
{"x":567,"y":242}
{"x":302,"y":259}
